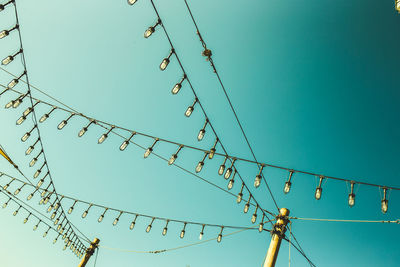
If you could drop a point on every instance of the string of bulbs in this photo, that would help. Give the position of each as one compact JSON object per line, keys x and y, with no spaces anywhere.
{"x":90,"y":205}
{"x":30,"y":110}
{"x":150,"y":150}
{"x":70,"y":240}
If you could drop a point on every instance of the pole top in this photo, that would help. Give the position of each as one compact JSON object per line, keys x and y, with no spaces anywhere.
{"x":96,"y":241}
{"x":284,"y":212}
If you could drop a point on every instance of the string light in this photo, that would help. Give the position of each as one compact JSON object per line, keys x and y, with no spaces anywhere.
{"x":117,"y":219}
{"x":232,"y":180}
{"x":31,"y":194}
{"x":65,"y":122}
{"x":84,"y":129}
{"x":151,"y":29}
{"x":352,"y":196}
{"x":29,"y":109}
{"x":165,"y":62}
{"x":164,"y":232}
{"x":200,"y":165}
{"x":85,"y":213}
{"x":37,"y":173}
{"x":14,"y":82}
{"x":384,"y":202}
{"x":288,"y":183}
{"x":202,"y":232}
{"x":36,"y":225}
{"x":254,"y":217}
{"x":240,"y":195}
{"x":16,"y":211}
{"x":19,"y":101}
{"x":46,"y":115}
{"x":45,"y":233}
{"x":18,"y":190}
{"x":4,"y":5}
{"x":398,"y":5}
{"x":148,"y":228}
{"x":182,"y":234}
{"x":213,"y":150}
{"x":257,"y":181}
{"x":202,"y":132}
{"x":104,"y":136}
{"x":174,"y":156}
{"x":219,"y":238}
{"x":35,"y":159}
{"x":31,"y":148}
{"x":27,"y":134}
{"x":222,"y":167}
{"x":5,"y":33}
{"x":102,"y":216}
{"x":190,"y":109}
{"x":133,"y":222}
{"x":178,"y":85}
{"x":6,"y":203}
{"x":247,"y":205}
{"x":126,"y":142}
{"x":318,"y":190}
{"x":10,"y":58}
{"x":150,"y":149}
{"x":72,"y":207}
{"x":7,"y":185}
{"x":131,"y":2}
{"x":261,"y":225}
{"x":229,"y":170}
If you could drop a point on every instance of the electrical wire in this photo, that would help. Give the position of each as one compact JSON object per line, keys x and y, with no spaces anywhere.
{"x":299,"y":249}
{"x":341,"y":220}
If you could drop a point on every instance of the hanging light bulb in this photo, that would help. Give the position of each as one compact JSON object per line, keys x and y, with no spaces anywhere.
{"x":71,"y":209}
{"x":117,"y":219}
{"x":165,"y":62}
{"x":29,"y":110}
{"x":178,"y":86}
{"x":190,"y":109}
{"x":27,"y":134}
{"x":85,"y":213}
{"x":213,"y":150}
{"x":174,"y":156}
{"x":20,"y":120}
{"x":36,"y":226}
{"x":150,"y":149}
{"x":257,"y":181}
{"x":31,"y":148}
{"x":47,"y":115}
{"x":182,"y":235}
{"x":384,"y":202}
{"x":14,"y":82}
{"x":102,"y":215}
{"x":6,"y":203}
{"x":398,"y":5}
{"x":133,"y":223}
{"x":57,"y":220}
{"x":254,"y":217}
{"x":126,"y":142}
{"x":4,"y":5}
{"x":232,"y":180}
{"x":318,"y":190}
{"x":261,"y":225}
{"x":222,"y":167}
{"x":35,"y":159}
{"x":18,"y":190}
{"x":229,"y":170}
{"x":62,"y":124}
{"x":288,"y":184}
{"x":202,"y":232}
{"x":84,"y":129}
{"x":19,"y":101}
{"x":31,"y":195}
{"x":247,"y":206}
{"x":45,"y":233}
{"x":200,"y":165}
{"x":5,"y":33}
{"x":10,"y":58}
{"x":151,"y":29}
{"x":16,"y":211}
{"x":240,"y":195}
{"x":202,"y":131}
{"x":219,"y":238}
{"x":131,"y":2}
{"x":352,"y":196}
{"x":148,"y":228}
{"x":53,"y":215}
{"x":37,"y":173}
{"x":105,"y":135}
{"x":7,"y":185}
{"x":164,"y":232}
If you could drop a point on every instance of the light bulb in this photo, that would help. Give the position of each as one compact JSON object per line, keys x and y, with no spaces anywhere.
{"x":228,"y":173}
{"x":9,"y":104}
{"x":149,"y":31}
{"x":58,"y":227}
{"x":213,"y":150}
{"x":70,"y":210}
{"x":13,"y":83}
{"x":384,"y":205}
{"x":286,"y":189}
{"x":221,"y":169}
{"x":39,"y":184}
{"x":43,"y":118}
{"x":46,"y":200}
{"x":148,"y":228}
{"x":176,"y":88}
{"x":35,"y":227}
{"x":6,"y":203}
{"x":219,"y":238}
{"x":201,"y":134}
{"x":53,"y":215}
{"x":15,"y":212}
{"x":30,"y":196}
{"x":27,"y":111}
{"x":164,"y":64}
{"x":131,"y":2}
{"x":230,"y":184}
{"x":124,"y":145}
{"x":4,"y":33}
{"x":29,"y":150}
{"x":164,"y":232}
{"x":182,"y":235}
{"x":62,"y":125}
{"x":254,"y":218}
{"x":50,"y":208}
{"x":239,"y":197}
{"x":115,"y":221}
{"x":100,"y":218}
{"x":246,"y":208}
{"x":84,"y":214}
{"x":352,"y":200}
{"x":7,"y":60}
{"x":201,"y":235}
{"x":17,"y":191}
{"x":257,"y":181}
{"x":25,"y":137}
{"x":82,"y":131}
{"x":318,"y":193}
{"x":21,"y":120}
{"x":189,"y":111}
{"x":261,"y":227}
{"x":57,"y":220}
{"x":132,"y":225}
{"x":37,"y":173}
{"x":45,"y":234}
{"x":102,"y":138}
{"x":172,"y":159}
{"x":199,"y":166}
{"x":148,"y":152}
{"x":17,"y":103}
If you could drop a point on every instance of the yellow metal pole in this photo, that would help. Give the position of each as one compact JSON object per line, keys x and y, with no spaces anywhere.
{"x":89,"y":252}
{"x":277,"y":233}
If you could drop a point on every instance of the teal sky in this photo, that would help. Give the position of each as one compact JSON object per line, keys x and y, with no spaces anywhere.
{"x":315,"y":85}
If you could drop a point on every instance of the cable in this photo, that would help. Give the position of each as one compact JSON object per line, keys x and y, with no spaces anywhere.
{"x":299,"y":249}
{"x":340,"y":220}
{"x":230,"y":104}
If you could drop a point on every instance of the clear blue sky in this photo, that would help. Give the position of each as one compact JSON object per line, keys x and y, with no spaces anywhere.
{"x":315,"y":84}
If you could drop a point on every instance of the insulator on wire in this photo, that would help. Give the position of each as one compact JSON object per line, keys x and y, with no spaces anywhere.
{"x":240,"y":195}
{"x":151,"y":29}
{"x":202,"y":232}
{"x":150,"y":149}
{"x":352,"y":196}
{"x":62,"y":124}
{"x":148,"y":228}
{"x":84,"y":129}
{"x":5,"y":33}
{"x":288,"y":183}
{"x":126,"y":142}
{"x":174,"y":156}
{"x":178,"y":85}
{"x":133,"y":222}
{"x":104,"y":136}
{"x":190,"y":109}
{"x":229,"y":170}
{"x":182,"y":234}
{"x":257,"y":180}
{"x":318,"y":190}
{"x":46,"y":115}
{"x":219,"y":238}
{"x":165,"y":62}
{"x":213,"y":149}
{"x":384,"y":202}
{"x":200,"y":165}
